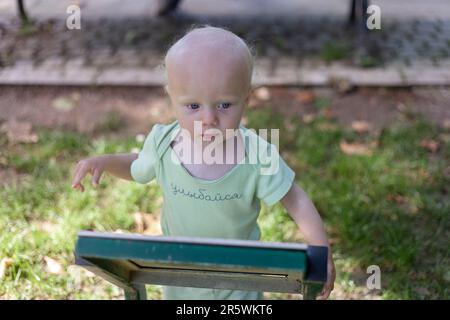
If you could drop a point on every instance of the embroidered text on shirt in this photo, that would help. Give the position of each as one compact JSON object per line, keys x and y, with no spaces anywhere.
{"x":202,"y":195}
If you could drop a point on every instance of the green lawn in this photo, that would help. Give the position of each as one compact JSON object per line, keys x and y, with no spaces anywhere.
{"x":389,"y":208}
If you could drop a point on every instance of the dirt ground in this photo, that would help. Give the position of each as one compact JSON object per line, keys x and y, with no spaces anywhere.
{"x":127,"y":110}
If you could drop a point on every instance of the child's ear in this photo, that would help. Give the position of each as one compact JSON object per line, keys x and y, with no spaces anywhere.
{"x":249,"y":94}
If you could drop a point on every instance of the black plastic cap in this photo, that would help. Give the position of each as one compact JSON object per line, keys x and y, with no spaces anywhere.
{"x":317,"y":257}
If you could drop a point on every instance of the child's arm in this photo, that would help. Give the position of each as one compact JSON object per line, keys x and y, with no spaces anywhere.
{"x":115,"y":164}
{"x":305,"y":215}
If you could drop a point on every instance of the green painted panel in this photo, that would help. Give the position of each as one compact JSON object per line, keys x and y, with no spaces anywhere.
{"x":185,"y":254}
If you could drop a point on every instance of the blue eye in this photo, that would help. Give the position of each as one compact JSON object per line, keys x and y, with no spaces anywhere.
{"x":225,"y":105}
{"x":193,"y":106}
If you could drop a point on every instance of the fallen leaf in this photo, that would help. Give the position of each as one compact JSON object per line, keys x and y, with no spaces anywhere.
{"x":424,"y":173}
{"x":342,"y":85}
{"x":360,"y":126}
{"x":326,"y":126}
{"x":63,"y":104}
{"x":401,"y":107}
{"x":5,"y":263}
{"x":77,"y":271}
{"x":422,"y":291}
{"x":153,"y":226}
{"x":396,"y":198}
{"x":446,"y":124}
{"x":309,"y":117}
{"x":138,"y":222}
{"x":262,"y":93}
{"x":147,"y":223}
{"x":305,"y":96}
{"x":45,"y":226}
{"x":327,"y":113}
{"x":355,"y":148}
{"x":140,"y":137}
{"x":430,"y":145}
{"x":332,"y":240}
{"x":53,"y":266}
{"x":3,"y":161}
{"x":444,"y":137}
{"x":75,"y":96}
{"x":19,"y":132}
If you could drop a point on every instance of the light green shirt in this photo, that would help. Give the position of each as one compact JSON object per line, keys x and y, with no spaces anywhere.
{"x":227,"y":207}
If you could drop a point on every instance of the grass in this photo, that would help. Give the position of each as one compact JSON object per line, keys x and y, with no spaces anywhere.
{"x":28,"y":28}
{"x":332,"y":51}
{"x":388,"y":209}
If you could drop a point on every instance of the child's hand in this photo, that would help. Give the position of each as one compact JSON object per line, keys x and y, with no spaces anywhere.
{"x":95,"y":166}
{"x":329,"y":285}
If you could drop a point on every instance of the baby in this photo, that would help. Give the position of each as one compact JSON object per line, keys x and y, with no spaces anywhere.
{"x":209,"y":74}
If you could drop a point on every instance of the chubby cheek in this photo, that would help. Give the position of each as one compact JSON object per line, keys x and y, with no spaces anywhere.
{"x":187,"y":125}
{"x":185,"y":119}
{"x":233,"y":119}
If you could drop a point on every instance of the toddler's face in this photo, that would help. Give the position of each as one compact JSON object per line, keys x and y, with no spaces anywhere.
{"x":213,"y":89}
{"x":214,"y":96}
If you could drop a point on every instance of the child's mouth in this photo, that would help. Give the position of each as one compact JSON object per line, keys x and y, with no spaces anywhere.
{"x":208,"y":137}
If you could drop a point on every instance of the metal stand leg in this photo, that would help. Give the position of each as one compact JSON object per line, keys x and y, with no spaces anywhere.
{"x":358,"y":11}
{"x":364,"y":16}
{"x":22,"y":12}
{"x":136,"y":292}
{"x":310,"y":291}
{"x":167,"y":6}
{"x":352,"y":16}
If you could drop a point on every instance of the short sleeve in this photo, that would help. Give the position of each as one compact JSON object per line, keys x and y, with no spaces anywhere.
{"x":143,"y":169}
{"x":275,"y":180}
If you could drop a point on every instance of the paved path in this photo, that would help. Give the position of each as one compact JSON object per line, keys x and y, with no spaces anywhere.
{"x":122,"y":42}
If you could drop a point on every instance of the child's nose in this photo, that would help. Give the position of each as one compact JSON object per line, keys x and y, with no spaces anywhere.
{"x":209,"y":117}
